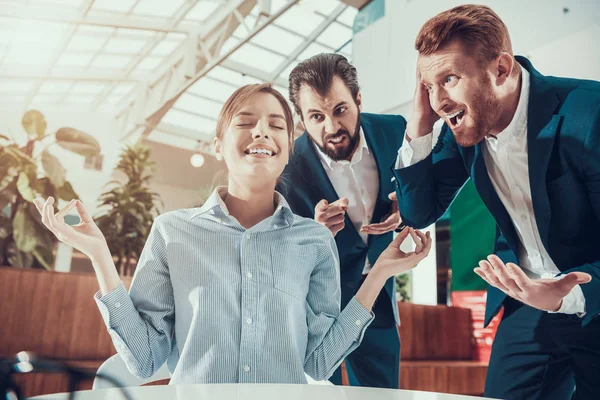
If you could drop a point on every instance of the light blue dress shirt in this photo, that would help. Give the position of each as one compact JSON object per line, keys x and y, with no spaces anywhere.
{"x":224,"y":304}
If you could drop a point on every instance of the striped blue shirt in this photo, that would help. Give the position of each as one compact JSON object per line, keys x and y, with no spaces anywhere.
{"x":224,"y":304}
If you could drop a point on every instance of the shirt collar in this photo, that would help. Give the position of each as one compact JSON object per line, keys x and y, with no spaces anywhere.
{"x":518,"y":124}
{"x":215,"y":204}
{"x":356,"y":157}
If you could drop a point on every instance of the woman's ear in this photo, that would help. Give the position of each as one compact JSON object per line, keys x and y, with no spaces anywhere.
{"x":217,"y":147}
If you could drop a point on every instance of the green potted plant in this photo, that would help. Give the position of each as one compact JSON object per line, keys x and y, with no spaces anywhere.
{"x":29,"y":171}
{"x":128,"y":208}
{"x":402,"y":287}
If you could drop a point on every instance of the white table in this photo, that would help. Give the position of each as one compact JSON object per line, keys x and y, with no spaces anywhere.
{"x":256,"y":392}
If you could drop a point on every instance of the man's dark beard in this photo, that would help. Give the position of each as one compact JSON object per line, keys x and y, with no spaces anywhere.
{"x":343,"y":153}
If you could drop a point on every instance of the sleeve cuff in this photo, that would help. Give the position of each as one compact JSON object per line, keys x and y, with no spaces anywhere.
{"x":115,"y":306}
{"x":355,"y":319}
{"x":573,"y":303}
{"x":414,"y":151}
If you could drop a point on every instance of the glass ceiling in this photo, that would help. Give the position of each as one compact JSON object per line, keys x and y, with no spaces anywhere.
{"x":93,"y":55}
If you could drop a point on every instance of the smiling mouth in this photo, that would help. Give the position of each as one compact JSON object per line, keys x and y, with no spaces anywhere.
{"x":260,"y":152}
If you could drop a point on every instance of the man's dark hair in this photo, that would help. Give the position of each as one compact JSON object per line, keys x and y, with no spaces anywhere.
{"x":318,"y":72}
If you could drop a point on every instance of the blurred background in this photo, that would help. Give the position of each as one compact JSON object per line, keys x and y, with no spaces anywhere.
{"x":115,"y":102}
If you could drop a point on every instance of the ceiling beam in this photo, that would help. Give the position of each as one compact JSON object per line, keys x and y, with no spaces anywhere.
{"x":253,"y":72}
{"x":64,"y":74}
{"x":83,"y":10}
{"x":309,"y":39}
{"x":49,"y":14}
{"x":158,"y":102}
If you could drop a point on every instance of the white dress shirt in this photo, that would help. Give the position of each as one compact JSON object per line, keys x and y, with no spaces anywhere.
{"x":358,"y":181}
{"x":506,"y":160}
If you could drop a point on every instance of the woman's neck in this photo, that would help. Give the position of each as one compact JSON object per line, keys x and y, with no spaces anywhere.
{"x":250,"y":205}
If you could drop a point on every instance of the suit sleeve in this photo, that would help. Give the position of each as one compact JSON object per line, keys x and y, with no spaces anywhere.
{"x":426,"y":189}
{"x":591,"y":169}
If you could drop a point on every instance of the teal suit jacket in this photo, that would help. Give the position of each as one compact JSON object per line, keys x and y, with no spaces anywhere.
{"x":563,"y":138}
{"x":308,"y":183}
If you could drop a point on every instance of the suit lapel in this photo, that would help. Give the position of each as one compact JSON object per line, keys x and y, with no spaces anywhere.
{"x":542,"y":126}
{"x":318,"y":182}
{"x":487,"y":192}
{"x":311,"y":169}
{"x":378,"y":145}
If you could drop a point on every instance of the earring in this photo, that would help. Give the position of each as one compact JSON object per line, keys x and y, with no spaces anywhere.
{"x":219,"y":156}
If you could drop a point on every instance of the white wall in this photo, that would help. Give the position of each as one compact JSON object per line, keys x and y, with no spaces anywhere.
{"x":558,"y":43}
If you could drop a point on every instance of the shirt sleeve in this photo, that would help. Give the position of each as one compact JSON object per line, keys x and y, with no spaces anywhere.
{"x":414,"y":151}
{"x":332,"y":334}
{"x":573,"y":303}
{"x":141,"y":322}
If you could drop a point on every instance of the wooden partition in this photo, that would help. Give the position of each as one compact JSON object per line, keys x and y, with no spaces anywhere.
{"x":436,"y":351}
{"x":54,"y":316}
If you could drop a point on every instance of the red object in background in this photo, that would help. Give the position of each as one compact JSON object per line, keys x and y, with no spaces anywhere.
{"x":482,"y":337}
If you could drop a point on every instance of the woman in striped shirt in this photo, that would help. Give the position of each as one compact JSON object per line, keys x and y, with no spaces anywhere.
{"x":240,"y":289}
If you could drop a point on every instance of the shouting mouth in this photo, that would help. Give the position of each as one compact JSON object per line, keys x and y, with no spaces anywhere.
{"x":455,"y":118}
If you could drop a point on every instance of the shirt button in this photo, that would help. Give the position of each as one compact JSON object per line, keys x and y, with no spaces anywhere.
{"x":249,"y":321}
{"x":249,"y":275}
{"x":275,"y":226}
{"x":524,"y":217}
{"x":246,"y":368}
{"x":357,"y":322}
{"x":117,"y":305}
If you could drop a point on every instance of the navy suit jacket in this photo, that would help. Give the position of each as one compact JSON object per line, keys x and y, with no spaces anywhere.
{"x":563,"y":144}
{"x":307,"y":183}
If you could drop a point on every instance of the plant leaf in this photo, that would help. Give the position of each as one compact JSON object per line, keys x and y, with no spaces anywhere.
{"x":24,"y":231}
{"x":54,"y":169}
{"x":23,"y":187}
{"x":66,"y":192}
{"x":34,"y":123}
{"x":5,"y":227}
{"x":20,"y":157}
{"x":44,"y":187}
{"x":78,"y":142}
{"x":8,"y":169}
{"x":42,"y":256}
